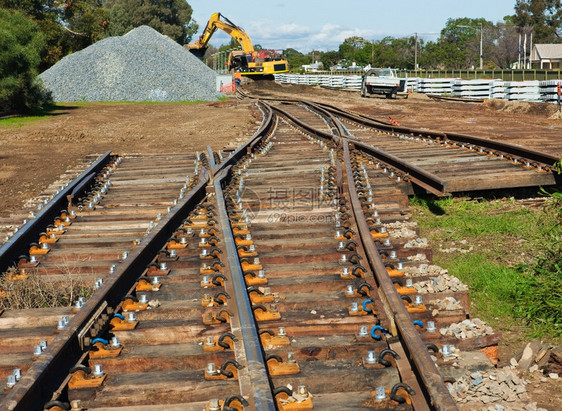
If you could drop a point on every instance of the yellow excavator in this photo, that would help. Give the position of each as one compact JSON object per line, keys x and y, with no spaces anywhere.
{"x":250,"y":62}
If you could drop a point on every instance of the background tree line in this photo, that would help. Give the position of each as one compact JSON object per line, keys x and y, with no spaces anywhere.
{"x":458,"y":45}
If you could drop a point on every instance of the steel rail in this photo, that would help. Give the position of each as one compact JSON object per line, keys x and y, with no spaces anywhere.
{"x":257,"y":367}
{"x":47,"y":373}
{"x":505,"y":148}
{"x":438,"y":394}
{"x":418,"y":176}
{"x":545,"y":159}
{"x":29,"y":233}
{"x":264,"y":128}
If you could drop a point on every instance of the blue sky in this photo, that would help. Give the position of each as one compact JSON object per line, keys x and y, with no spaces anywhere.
{"x":324,"y":24}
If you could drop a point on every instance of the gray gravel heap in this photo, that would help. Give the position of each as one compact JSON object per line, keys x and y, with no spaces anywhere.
{"x":142,"y":65}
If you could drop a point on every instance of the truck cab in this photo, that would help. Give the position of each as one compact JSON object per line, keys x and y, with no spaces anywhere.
{"x":382,"y":81}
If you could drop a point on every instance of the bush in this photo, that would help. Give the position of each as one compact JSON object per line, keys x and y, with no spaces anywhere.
{"x":21,"y":44}
{"x":539,"y":294}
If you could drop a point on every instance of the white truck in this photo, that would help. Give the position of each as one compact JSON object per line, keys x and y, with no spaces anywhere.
{"x":382,"y":81}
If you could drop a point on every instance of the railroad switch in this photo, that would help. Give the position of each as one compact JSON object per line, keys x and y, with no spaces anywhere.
{"x":82,"y":378}
{"x":101,"y":350}
{"x":175,"y":244}
{"x":119,"y":323}
{"x":219,"y":343}
{"x":214,"y":318}
{"x":277,"y":366}
{"x":144,"y":284}
{"x":261,"y":313}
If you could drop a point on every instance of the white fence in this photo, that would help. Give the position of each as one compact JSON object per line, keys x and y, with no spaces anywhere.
{"x":535,"y":91}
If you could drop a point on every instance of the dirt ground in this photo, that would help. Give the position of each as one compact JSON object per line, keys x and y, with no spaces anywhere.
{"x":34,"y":155}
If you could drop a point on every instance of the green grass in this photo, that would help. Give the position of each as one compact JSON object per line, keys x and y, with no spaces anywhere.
{"x":485,"y":244}
{"x":16,"y":122}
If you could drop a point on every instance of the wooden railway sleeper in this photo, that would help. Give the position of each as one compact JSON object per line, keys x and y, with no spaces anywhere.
{"x":219,"y":343}
{"x":289,"y":400}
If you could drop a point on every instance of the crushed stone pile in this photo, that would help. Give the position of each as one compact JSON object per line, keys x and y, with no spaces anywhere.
{"x":142,"y":65}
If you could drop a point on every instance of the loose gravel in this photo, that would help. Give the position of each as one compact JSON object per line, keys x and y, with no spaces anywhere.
{"x":142,"y":65}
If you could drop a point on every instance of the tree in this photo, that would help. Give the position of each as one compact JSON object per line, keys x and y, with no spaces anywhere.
{"x":68,"y":26}
{"x":544,"y":16}
{"x":21,"y":44}
{"x":329,"y":59}
{"x":295,"y":58}
{"x":169,"y":17}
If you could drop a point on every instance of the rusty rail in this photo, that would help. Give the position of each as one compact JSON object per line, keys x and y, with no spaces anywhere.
{"x":437,"y":392}
{"x":48,"y":371}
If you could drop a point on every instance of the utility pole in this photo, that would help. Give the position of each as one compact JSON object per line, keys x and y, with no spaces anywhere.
{"x":416,"y":54}
{"x":481,"y":59}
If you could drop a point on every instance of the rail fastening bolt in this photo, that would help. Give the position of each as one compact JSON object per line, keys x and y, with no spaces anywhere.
{"x":431,"y":326}
{"x":281,"y":332}
{"x":380,"y":394}
{"x":115,"y":343}
{"x":131,"y":317}
{"x":363,"y":331}
{"x":11,"y":381}
{"x":371,"y":357}
{"x":98,"y":370}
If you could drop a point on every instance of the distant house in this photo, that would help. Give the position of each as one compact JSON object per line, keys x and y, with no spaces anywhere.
{"x":312,"y":67}
{"x":547,"y":56}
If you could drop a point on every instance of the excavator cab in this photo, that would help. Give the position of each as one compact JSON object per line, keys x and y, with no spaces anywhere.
{"x":250,"y":62}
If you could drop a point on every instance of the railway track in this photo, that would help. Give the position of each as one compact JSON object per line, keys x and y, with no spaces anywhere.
{"x":436,"y":162}
{"x":282,"y":277}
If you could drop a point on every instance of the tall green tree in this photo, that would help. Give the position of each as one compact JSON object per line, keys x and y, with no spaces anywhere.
{"x":21,"y":44}
{"x":544,"y":16}
{"x":170,"y":17}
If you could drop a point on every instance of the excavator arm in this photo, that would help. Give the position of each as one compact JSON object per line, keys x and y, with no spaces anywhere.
{"x":215,"y":22}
